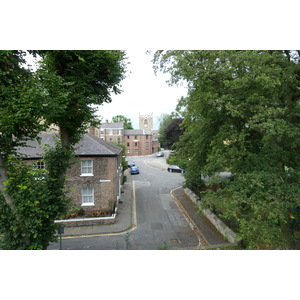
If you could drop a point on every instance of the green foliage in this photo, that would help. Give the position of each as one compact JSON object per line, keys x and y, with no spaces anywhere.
{"x":124,"y":162}
{"x":164,"y":121}
{"x":77,"y":80}
{"x":20,"y":106}
{"x":242,"y":115}
{"x":121,"y":118}
{"x":38,"y":199}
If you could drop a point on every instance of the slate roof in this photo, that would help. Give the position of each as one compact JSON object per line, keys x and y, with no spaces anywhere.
{"x":89,"y":145}
{"x":136,"y":132}
{"x":112,"y":125}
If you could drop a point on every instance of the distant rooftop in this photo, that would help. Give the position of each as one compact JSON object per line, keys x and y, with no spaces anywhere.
{"x":89,"y":145}
{"x":112,"y":125}
{"x":136,"y":132}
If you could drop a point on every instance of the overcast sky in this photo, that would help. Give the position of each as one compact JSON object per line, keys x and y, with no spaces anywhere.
{"x":143,"y":92}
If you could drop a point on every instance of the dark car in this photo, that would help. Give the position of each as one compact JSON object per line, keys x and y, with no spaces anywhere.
{"x":134,"y":170}
{"x":173,"y":168}
{"x":130,"y":163}
{"x":160,"y":154}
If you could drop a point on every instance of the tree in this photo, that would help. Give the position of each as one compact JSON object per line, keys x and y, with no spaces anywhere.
{"x":87,"y":78}
{"x":172,"y":133}
{"x":242,"y":115}
{"x":62,"y":92}
{"x":164,"y":121}
{"x":121,"y":118}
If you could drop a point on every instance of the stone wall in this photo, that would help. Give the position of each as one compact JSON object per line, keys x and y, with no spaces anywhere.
{"x":224,"y":230}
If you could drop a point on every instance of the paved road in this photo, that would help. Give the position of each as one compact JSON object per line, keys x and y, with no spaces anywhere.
{"x":159,"y":221}
{"x":160,"y":224}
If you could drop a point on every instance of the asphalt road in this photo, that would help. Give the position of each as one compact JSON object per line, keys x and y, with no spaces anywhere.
{"x":160,"y":224}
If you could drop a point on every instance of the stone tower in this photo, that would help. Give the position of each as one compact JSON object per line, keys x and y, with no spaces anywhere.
{"x":146,"y":122}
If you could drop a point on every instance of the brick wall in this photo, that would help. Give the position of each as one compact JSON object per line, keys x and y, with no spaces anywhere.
{"x":138,"y":144}
{"x":105,"y":193}
{"x":104,"y":169}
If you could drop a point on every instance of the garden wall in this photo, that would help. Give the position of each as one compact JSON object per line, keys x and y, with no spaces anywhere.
{"x":224,"y":230}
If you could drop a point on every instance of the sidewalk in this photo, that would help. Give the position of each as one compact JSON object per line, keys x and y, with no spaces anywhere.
{"x":207,"y":233}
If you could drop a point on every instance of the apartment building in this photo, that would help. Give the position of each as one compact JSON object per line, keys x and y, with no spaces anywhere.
{"x":137,"y":141}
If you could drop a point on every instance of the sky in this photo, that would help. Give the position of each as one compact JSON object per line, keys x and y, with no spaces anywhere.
{"x":143,"y":92}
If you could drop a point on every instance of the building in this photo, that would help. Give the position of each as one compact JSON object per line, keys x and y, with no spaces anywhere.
{"x":143,"y":141}
{"x":95,"y":176}
{"x":112,"y":132}
{"x":138,"y":142}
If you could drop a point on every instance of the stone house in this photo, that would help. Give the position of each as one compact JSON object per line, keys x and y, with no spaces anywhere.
{"x":94,"y":178}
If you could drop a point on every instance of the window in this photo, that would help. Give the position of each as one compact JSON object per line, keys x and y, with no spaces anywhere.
{"x":87,"y":167}
{"x":39,"y":170}
{"x":128,"y":151}
{"x":135,"y":137}
{"x":87,"y":196}
{"x":39,"y":165}
{"x":147,"y":144}
{"x":128,"y":137}
{"x":147,"y":137}
{"x":110,"y":131}
{"x":128,"y":144}
{"x":135,"y":144}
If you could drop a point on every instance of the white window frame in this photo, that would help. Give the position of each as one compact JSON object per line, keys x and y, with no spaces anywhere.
{"x":85,"y":169}
{"x":37,"y":166}
{"x":87,"y":196}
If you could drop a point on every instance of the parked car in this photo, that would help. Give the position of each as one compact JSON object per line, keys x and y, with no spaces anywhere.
{"x":177,"y":169}
{"x":134,"y":170}
{"x":160,"y":154}
{"x":130,"y":163}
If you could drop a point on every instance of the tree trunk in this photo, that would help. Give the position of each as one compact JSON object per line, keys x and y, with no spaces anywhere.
{"x":64,"y":137}
{"x":3,"y":178}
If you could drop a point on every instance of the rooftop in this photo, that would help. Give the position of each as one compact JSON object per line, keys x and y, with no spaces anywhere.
{"x":112,"y":125}
{"x":89,"y":145}
{"x":136,"y":132}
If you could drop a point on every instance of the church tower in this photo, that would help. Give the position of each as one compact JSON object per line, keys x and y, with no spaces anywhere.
{"x":146,"y":122}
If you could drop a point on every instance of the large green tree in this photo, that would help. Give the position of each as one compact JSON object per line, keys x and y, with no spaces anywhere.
{"x":121,"y":118}
{"x":164,"y":121}
{"x":61,"y":92}
{"x":242,"y":115}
